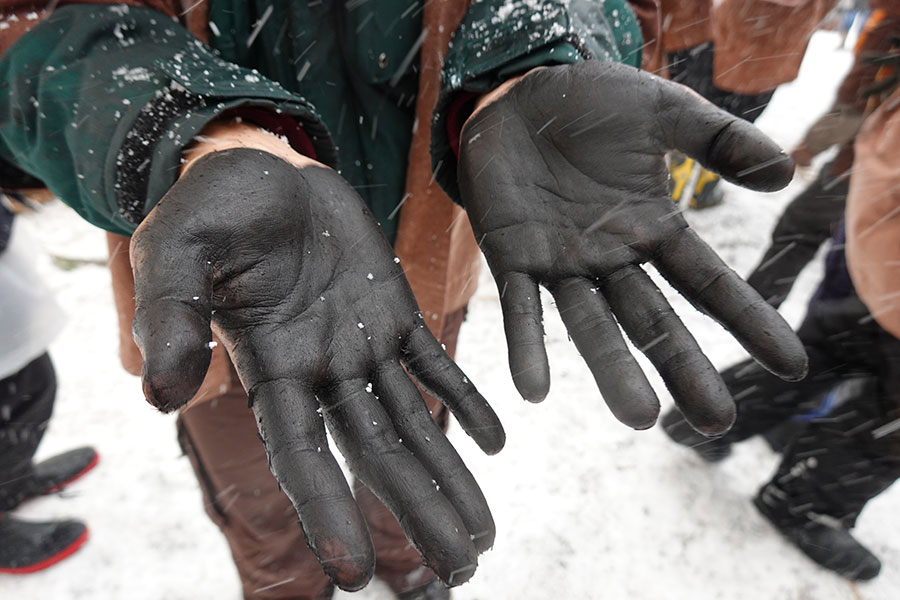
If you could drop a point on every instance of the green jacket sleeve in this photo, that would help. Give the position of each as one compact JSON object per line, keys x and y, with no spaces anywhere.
{"x":499,"y":39}
{"x":99,"y":102}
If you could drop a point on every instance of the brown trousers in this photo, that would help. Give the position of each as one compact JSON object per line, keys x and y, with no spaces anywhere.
{"x":242,"y":497}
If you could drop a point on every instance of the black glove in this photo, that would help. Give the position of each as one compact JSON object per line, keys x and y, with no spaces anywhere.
{"x":564,"y":180}
{"x":320,"y":322}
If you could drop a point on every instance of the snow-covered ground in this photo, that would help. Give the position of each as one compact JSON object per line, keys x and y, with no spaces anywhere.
{"x":585,"y":508}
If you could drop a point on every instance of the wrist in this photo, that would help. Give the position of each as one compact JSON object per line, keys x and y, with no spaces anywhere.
{"x":498,"y":92}
{"x":227,"y":134}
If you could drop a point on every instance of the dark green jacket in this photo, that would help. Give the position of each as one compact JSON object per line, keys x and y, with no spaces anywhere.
{"x":99,"y":100}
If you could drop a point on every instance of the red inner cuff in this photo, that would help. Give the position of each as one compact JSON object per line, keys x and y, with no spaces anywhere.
{"x":457,"y":114}
{"x":281,"y":125}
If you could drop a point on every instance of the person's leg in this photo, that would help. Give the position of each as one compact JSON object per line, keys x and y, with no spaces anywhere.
{"x":804,"y":225}
{"x":26,"y":403}
{"x":840,"y":462}
{"x":829,"y":472}
{"x":693,"y":67}
{"x":763,"y":400}
{"x":746,"y":106}
{"x":834,"y":340}
{"x":242,"y":497}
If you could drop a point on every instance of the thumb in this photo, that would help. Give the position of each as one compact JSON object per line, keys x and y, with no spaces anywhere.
{"x":172,"y":318}
{"x":728,"y":145}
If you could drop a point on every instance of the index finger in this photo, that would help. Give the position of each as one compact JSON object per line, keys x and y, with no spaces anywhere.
{"x":695,"y":270}
{"x":650,"y":322}
{"x":294,"y":435}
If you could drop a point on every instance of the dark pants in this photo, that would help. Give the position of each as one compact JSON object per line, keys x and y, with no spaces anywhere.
{"x":809,"y":220}
{"x":242,"y":497}
{"x":840,"y":460}
{"x":26,"y":403}
{"x":693,"y":67}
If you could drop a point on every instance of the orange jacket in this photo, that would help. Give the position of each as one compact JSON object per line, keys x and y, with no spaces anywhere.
{"x":759,"y":43}
{"x":873,"y":215}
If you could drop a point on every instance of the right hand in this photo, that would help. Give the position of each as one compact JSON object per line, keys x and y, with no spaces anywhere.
{"x":295,"y":276}
{"x":563,"y":177}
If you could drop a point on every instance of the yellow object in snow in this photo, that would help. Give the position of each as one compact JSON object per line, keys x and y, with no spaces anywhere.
{"x":706,"y":192}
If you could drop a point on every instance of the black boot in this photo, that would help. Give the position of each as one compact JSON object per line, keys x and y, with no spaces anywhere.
{"x":27,"y":547}
{"x":52,"y":475}
{"x":48,"y":476}
{"x":433,"y":590}
{"x":827,"y":543}
{"x":783,"y":434}
{"x":679,"y":431}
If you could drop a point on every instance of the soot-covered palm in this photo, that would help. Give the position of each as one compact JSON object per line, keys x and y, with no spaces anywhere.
{"x":565,"y":182}
{"x":297,"y":279}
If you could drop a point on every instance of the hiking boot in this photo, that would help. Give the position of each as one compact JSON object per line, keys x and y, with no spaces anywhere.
{"x":28,"y":547}
{"x":824,"y":540}
{"x":779,"y":436}
{"x":54,"y":474}
{"x":684,"y":171}
{"x":707,"y":192}
{"x":680,"y":167}
{"x":679,"y":431}
{"x":49,"y":476}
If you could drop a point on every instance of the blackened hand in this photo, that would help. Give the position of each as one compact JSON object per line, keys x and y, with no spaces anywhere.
{"x":565,"y":182}
{"x":297,"y":279}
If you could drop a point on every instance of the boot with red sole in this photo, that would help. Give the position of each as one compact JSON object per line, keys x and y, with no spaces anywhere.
{"x":28,"y":547}
{"x":49,"y":476}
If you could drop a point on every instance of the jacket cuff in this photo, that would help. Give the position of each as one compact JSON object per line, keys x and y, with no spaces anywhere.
{"x":116,"y":94}
{"x":282,"y":126}
{"x":149,"y":159}
{"x":199,"y":88}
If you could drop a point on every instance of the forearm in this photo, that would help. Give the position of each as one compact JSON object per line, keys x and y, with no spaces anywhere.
{"x":102,"y":102}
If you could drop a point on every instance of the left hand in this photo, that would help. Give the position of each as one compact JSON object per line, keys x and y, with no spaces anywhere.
{"x":563,"y":177}
{"x":282,"y":258}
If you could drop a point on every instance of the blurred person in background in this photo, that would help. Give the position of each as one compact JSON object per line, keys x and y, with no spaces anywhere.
{"x":844,"y":451}
{"x":29,"y":320}
{"x":849,"y":13}
{"x":811,"y":218}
